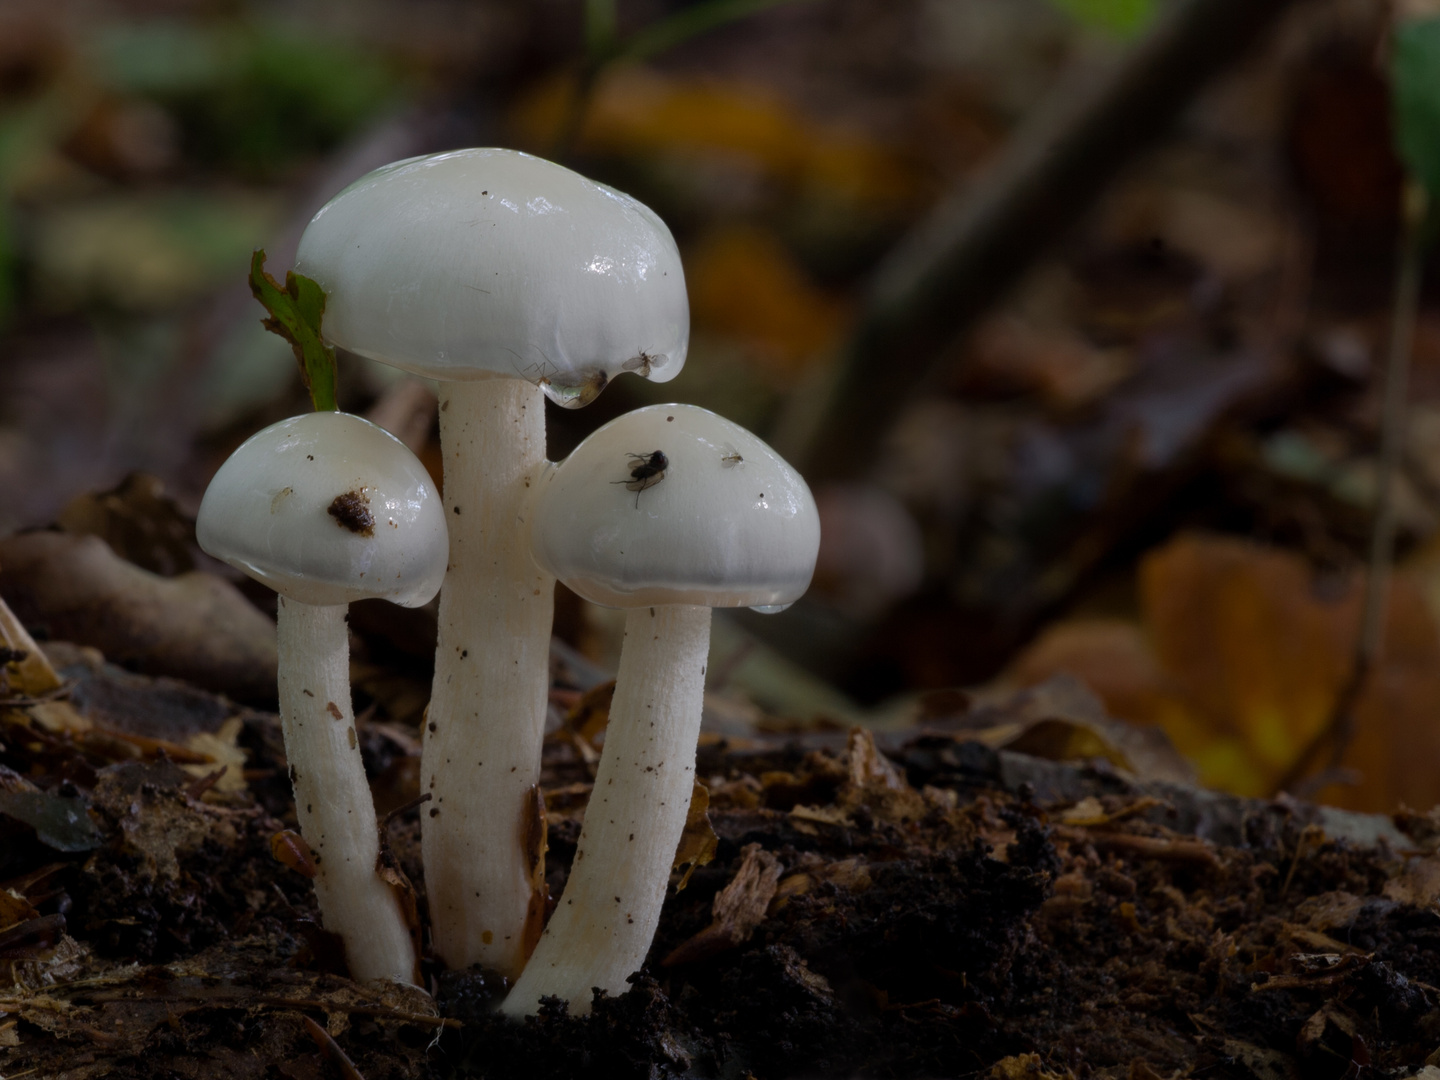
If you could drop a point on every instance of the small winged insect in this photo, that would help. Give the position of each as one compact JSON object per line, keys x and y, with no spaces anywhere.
{"x":731,"y":457}
{"x":642,"y":362}
{"x":537,"y":373}
{"x":646,"y":470}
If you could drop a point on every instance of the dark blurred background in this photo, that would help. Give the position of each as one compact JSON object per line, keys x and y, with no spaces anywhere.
{"x":1073,"y":311}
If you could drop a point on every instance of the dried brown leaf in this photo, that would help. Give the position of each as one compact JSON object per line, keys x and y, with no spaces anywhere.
{"x":849,"y":874}
{"x":196,"y":626}
{"x":868,"y":766}
{"x":698,"y":842}
{"x":30,"y":673}
{"x":138,"y":521}
{"x":1061,"y":719}
{"x":1026,"y":1067}
{"x":591,"y":714}
{"x":156,"y":821}
{"x":534,"y":842}
{"x":738,"y":908}
{"x":14,"y":909}
{"x":1330,"y":910}
{"x":1417,"y":885}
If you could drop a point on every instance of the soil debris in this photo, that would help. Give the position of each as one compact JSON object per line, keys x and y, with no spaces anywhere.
{"x":908,"y":906}
{"x":352,"y":511}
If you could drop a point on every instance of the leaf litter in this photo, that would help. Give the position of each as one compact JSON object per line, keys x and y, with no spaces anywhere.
{"x":894,"y":905}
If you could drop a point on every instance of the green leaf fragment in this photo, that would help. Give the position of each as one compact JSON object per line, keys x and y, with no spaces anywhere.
{"x":295,"y":314}
{"x":1415,"y":89}
{"x":1124,"y":19}
{"x":248,"y":92}
{"x":690,"y":22}
{"x":600,"y":25}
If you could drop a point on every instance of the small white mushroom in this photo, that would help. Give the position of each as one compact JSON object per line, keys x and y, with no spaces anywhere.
{"x":508,"y":278}
{"x":711,"y":532}
{"x":325,"y":509}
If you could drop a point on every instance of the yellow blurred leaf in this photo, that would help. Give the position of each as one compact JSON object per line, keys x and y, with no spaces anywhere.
{"x":220,"y":746}
{"x":1061,"y":740}
{"x":59,"y":717}
{"x":29,"y":671}
{"x":1111,"y":656}
{"x":1088,"y":811}
{"x":1241,"y":633}
{"x":633,"y":110}
{"x":745,"y":285}
{"x":1058,"y":718}
{"x":1026,"y":1067}
{"x":698,"y":843}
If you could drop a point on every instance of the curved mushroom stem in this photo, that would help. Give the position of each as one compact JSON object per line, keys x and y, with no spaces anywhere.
{"x":608,"y":913}
{"x":481,"y":755}
{"x":332,"y":798}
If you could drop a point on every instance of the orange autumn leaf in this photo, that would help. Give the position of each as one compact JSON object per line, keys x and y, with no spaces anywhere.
{"x":743,"y":284}
{"x":1111,"y":656}
{"x":1253,"y":652}
{"x":633,"y":110}
{"x":1238,"y":657}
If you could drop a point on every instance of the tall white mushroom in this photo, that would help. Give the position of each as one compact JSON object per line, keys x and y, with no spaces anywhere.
{"x":327,"y":508}
{"x":510,"y":278}
{"x":717,"y":519}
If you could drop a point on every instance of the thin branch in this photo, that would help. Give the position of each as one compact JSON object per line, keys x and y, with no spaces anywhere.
{"x":968,"y":253}
{"x":1339,"y":728}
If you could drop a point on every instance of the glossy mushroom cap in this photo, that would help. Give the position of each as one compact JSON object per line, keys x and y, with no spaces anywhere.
{"x":327,"y":508}
{"x":479,"y":262}
{"x":730,"y":524}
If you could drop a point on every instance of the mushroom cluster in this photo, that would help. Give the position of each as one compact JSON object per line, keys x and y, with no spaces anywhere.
{"x":511,"y":280}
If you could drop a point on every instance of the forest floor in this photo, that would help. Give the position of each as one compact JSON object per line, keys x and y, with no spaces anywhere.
{"x":933,"y":907}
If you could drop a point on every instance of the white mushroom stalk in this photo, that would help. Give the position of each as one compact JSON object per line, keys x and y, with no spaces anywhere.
{"x":327,"y":508}
{"x":511,"y":279}
{"x":717,"y":519}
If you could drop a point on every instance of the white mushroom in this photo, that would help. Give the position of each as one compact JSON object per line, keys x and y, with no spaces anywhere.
{"x":325,"y":509}
{"x":728,"y":524}
{"x":511,"y":278}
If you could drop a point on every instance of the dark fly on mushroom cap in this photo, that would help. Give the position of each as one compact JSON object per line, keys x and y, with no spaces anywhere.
{"x":646,"y":470}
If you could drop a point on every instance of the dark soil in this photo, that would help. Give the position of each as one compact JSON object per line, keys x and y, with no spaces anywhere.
{"x":935,"y":916}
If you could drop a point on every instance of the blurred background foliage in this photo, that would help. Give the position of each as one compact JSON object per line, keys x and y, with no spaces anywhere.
{"x":1151,"y":466}
{"x":250,"y":97}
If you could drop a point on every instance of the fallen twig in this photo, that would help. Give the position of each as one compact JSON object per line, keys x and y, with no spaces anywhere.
{"x":330,"y":1049}
{"x":973,"y":247}
{"x":1339,"y":728}
{"x":242,"y":998}
{"x":1168,"y":849}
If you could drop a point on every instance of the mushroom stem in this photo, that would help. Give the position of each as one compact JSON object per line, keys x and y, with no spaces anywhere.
{"x":481,"y":753}
{"x":608,"y":913}
{"x":332,"y":797}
